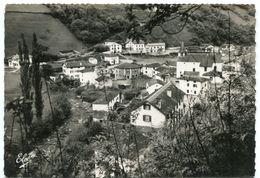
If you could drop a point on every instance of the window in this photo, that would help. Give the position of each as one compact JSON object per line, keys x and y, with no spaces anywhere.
{"x":188,"y":84}
{"x":147,"y":107}
{"x":195,"y":92}
{"x":215,"y":68}
{"x":193,"y":69}
{"x":188,"y":91}
{"x":205,"y":69}
{"x":147,"y":118}
{"x":195,"y":85}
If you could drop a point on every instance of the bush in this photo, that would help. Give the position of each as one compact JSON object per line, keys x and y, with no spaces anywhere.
{"x":79,"y":90}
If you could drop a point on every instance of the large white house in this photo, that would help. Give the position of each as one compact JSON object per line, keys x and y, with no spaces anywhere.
{"x":192,"y":85}
{"x":155,"y":47}
{"x":163,"y":104}
{"x":134,"y":46}
{"x":114,"y":47}
{"x":198,"y":63}
{"x":81,"y":70}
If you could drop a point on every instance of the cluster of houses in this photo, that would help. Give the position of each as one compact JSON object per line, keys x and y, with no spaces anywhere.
{"x":136,"y":47}
{"x":165,"y":88}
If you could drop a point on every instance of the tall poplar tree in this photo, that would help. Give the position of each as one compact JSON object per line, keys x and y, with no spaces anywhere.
{"x":36,"y":76}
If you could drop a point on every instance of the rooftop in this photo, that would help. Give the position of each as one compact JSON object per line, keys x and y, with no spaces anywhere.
{"x":128,"y":66}
{"x":190,"y":73}
{"x":101,"y":78}
{"x":153,"y":65}
{"x":110,"y":94}
{"x":155,"y":44}
{"x":204,"y":60}
{"x":213,"y":74}
{"x":167,"y":103}
{"x":194,"y":78}
{"x":76,"y":64}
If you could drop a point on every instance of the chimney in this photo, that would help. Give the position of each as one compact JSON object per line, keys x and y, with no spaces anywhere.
{"x":169,"y":93}
{"x":159,"y":103}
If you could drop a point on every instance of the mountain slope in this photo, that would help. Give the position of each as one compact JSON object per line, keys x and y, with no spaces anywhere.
{"x":35,"y":18}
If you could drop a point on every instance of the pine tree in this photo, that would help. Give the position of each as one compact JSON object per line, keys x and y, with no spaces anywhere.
{"x":36,"y":77}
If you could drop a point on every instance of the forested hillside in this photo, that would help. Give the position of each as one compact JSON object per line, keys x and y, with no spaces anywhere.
{"x":209,"y":24}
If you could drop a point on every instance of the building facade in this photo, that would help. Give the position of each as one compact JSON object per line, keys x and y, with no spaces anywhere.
{"x":114,"y":47}
{"x":127,"y":71}
{"x":198,"y":63}
{"x":155,"y":47}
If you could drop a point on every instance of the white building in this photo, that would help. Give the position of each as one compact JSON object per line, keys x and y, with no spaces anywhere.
{"x":165,"y":103}
{"x":134,"y":46}
{"x":112,"y":59}
{"x":114,"y":47}
{"x":108,"y":102}
{"x":155,"y":47}
{"x":150,"y":69}
{"x":81,"y":70}
{"x":198,"y":63}
{"x":192,"y":85}
{"x":14,"y":61}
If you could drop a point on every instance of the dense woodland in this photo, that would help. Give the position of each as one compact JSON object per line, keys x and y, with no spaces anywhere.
{"x":95,"y":23}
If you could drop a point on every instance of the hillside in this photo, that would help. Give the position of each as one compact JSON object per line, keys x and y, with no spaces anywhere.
{"x":35,"y":18}
{"x":97,"y":23}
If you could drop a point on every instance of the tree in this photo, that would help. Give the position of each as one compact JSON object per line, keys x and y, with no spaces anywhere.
{"x":36,"y":77}
{"x":25,"y":73}
{"x":157,"y":15}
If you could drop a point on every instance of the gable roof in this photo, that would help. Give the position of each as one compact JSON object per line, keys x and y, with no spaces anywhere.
{"x":167,"y":103}
{"x":194,"y":78}
{"x":110,"y":95}
{"x":76,"y":64}
{"x":128,"y":66}
{"x":153,"y":65}
{"x":213,"y":73}
{"x":204,"y":60}
{"x":154,"y":81}
{"x":190,"y":73}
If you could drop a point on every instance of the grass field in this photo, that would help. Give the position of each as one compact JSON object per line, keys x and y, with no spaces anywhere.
{"x":50,"y":31}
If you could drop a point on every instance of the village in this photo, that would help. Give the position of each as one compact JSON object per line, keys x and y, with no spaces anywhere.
{"x":164,"y":80}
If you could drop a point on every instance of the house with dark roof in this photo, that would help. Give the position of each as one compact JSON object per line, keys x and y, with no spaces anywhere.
{"x":127,"y":71}
{"x":157,"y":108}
{"x":104,"y":81}
{"x":105,"y":104}
{"x":198,"y":63}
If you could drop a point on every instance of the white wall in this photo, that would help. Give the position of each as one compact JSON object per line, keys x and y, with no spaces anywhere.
{"x":99,"y":107}
{"x":189,"y":66}
{"x":157,"y":118}
{"x":183,"y":85}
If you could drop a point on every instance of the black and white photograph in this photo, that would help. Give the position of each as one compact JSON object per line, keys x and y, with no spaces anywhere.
{"x":129,"y":90}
